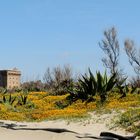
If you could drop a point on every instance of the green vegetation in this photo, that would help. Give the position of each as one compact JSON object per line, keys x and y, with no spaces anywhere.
{"x":8,"y":99}
{"x":39,"y":106}
{"x":130,"y":120}
{"x":89,"y":86}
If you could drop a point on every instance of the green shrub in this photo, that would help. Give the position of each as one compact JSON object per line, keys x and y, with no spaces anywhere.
{"x":104,"y":84}
{"x":89,"y":85}
{"x":3,"y":90}
{"x":8,"y":99}
{"x":130,"y":121}
{"x":84,"y":89}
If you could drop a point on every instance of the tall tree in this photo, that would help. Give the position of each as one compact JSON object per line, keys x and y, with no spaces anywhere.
{"x":110,"y":47}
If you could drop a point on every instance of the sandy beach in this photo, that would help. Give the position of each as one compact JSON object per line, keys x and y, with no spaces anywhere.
{"x":58,"y":129}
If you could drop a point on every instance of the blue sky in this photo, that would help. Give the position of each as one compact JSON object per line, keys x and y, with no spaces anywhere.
{"x":36,"y":34}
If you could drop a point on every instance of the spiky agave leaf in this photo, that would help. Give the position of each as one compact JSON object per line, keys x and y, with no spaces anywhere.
{"x":94,"y":82}
{"x":4,"y":99}
{"x":105,"y":79}
{"x":13,"y":100}
{"x":133,"y":89}
{"x":25,"y":100}
{"x":10,"y":98}
{"x":111,"y":82}
{"x":104,"y":84}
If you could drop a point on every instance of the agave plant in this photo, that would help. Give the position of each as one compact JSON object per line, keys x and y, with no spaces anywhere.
{"x":22,"y":100}
{"x":3,"y":90}
{"x":85,"y":89}
{"x":104,"y":84}
{"x":8,"y":99}
{"x":89,"y":85}
{"x":122,"y":87}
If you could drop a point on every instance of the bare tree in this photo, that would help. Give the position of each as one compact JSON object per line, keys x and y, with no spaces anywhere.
{"x":58,"y":75}
{"x":47,"y":78}
{"x":110,"y":47}
{"x":133,"y":55}
{"x":58,"y":78}
{"x":135,"y":81}
{"x":62,"y":74}
{"x":67,"y":72}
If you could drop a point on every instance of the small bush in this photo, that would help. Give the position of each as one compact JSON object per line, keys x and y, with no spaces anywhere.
{"x":61,"y":104}
{"x":130,"y":120}
{"x":8,"y":99}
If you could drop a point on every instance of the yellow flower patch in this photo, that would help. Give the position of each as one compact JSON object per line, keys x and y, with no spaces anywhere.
{"x":57,"y":113}
{"x":52,"y":107}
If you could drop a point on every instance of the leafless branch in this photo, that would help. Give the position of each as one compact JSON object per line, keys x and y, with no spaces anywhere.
{"x":110,"y":47}
{"x":133,"y":55}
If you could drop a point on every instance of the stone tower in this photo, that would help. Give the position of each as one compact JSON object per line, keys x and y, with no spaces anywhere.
{"x":10,"y":78}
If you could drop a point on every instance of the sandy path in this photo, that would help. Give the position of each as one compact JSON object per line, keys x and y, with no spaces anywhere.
{"x":93,"y":126}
